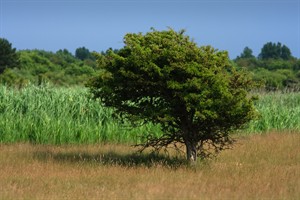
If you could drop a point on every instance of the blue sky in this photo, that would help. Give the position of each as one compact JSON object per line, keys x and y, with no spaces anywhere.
{"x":97,"y":25}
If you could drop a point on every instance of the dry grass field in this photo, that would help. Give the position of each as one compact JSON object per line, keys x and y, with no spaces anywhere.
{"x":258,"y":167}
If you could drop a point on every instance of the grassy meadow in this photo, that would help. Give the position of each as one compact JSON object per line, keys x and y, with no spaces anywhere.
{"x":258,"y":167}
{"x":48,"y":115}
{"x":278,"y":111}
{"x":58,"y":143}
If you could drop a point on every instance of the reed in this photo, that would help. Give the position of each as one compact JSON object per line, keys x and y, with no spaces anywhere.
{"x":277,"y":111}
{"x":49,"y":115}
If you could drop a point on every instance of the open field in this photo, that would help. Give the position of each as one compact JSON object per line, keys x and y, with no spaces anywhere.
{"x":56,"y":143}
{"x":258,"y":167}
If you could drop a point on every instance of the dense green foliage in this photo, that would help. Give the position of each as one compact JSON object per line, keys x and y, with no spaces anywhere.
{"x":278,"y":111}
{"x":274,"y":69}
{"x":275,"y":51}
{"x":247,"y":53}
{"x":8,"y":56}
{"x":83,"y":53}
{"x":60,"y":116}
{"x":52,"y":115}
{"x":194,"y":93}
{"x":60,"y":68}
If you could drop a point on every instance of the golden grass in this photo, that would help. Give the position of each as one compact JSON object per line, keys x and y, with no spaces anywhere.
{"x":259,"y":167}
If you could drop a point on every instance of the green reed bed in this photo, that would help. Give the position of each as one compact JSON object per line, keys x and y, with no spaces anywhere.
{"x":51,"y":115}
{"x":277,"y":111}
{"x":60,"y":116}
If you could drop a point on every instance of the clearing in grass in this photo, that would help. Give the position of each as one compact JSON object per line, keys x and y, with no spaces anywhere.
{"x":259,"y":167}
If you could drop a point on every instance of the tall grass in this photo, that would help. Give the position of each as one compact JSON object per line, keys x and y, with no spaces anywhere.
{"x":68,"y":116}
{"x":60,"y":116}
{"x":277,"y":111}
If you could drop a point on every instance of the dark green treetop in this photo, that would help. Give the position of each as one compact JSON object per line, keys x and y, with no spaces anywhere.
{"x":275,"y":51}
{"x":8,"y":56}
{"x":247,"y":53}
{"x":193,"y":92}
{"x":83,"y":53}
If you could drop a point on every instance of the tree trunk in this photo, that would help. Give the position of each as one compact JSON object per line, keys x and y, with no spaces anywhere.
{"x":191,"y":152}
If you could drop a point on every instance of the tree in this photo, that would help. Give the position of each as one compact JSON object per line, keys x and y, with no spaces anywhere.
{"x":247,"y":53}
{"x":285,"y":53}
{"x":275,"y":51}
{"x":193,"y":92}
{"x":8,"y":56}
{"x":82,"y":53}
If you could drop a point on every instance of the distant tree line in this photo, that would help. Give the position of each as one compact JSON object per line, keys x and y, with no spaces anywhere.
{"x":269,"y":51}
{"x":274,"y":68}
{"x":39,"y":66}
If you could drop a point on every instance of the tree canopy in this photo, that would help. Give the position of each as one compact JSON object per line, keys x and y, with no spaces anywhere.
{"x":193,"y":92}
{"x":83,"y":53}
{"x":64,"y":68}
{"x":247,"y":53}
{"x":8,"y":56}
{"x":39,"y":66}
{"x":275,"y":68}
{"x":275,"y":51}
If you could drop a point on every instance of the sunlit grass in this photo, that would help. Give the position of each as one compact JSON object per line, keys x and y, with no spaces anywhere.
{"x":277,"y":111}
{"x":48,"y":115}
{"x":258,"y":167}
